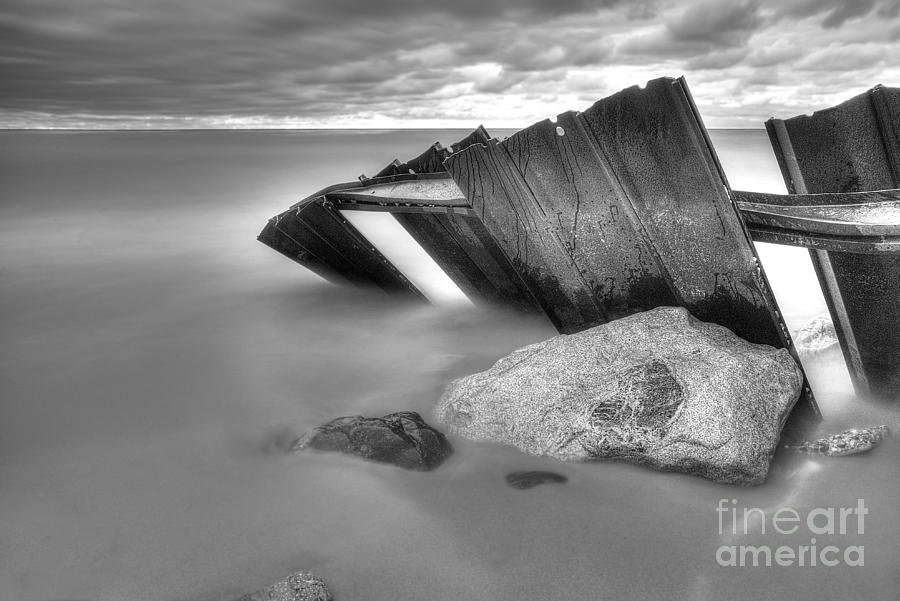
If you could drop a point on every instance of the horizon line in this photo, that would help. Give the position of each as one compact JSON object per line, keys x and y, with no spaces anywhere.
{"x":279,"y":129}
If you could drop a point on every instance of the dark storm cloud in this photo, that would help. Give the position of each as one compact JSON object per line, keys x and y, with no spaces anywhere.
{"x":834,"y":13}
{"x":224,"y":61}
{"x":716,"y":22}
{"x":710,"y":34}
{"x":283,"y":57}
{"x":290,"y":17}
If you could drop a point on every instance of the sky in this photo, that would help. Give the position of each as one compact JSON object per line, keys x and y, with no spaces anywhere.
{"x":415,"y":63}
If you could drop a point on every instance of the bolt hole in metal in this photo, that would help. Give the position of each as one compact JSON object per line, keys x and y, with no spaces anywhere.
{"x":560,"y":131}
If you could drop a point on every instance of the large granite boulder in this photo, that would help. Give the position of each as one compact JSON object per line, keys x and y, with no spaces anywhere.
{"x":402,"y":438}
{"x":817,"y":336}
{"x":658,"y":388}
{"x":299,"y":586}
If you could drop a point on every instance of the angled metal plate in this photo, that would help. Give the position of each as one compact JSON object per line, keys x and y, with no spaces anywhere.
{"x":314,"y":234}
{"x":455,"y":239}
{"x":428,"y":204}
{"x":468,"y":254}
{"x":619,"y":209}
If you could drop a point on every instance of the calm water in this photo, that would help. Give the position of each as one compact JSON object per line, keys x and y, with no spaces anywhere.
{"x":154,"y":355}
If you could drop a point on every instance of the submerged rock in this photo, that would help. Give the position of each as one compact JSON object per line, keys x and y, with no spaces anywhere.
{"x":848,"y":442}
{"x":525,"y":480}
{"x":299,"y":586}
{"x":278,"y":441}
{"x":816,"y":336}
{"x":658,"y":388}
{"x":402,"y":438}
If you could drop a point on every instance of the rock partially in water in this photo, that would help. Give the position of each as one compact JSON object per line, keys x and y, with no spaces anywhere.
{"x":848,"y":442}
{"x":402,"y":438}
{"x":525,"y":480}
{"x":816,"y":336}
{"x":658,"y":388}
{"x":299,"y":586}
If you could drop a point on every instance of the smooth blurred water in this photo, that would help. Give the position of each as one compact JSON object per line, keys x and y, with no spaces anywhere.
{"x":155,"y":355}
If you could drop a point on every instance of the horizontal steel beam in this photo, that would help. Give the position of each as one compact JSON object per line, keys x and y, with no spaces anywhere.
{"x":856,"y":222}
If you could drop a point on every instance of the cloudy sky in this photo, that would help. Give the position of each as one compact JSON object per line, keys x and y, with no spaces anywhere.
{"x":416,"y":63}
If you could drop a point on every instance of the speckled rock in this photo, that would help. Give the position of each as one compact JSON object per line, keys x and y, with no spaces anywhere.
{"x":658,"y":388}
{"x":299,"y":586}
{"x":816,"y":336}
{"x":402,"y":438}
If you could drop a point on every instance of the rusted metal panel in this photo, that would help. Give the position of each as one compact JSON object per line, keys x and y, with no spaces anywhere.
{"x":432,"y":160}
{"x":849,"y":148}
{"x":468,"y":254}
{"x":430,"y":207}
{"x":315,"y":235}
{"x":625,"y":202}
{"x":581,"y":208}
{"x":446,"y":227}
{"x":509,"y":210}
{"x":668,"y":171}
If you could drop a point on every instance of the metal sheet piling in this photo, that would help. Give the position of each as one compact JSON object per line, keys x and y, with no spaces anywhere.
{"x":850,"y":148}
{"x":619,"y":209}
{"x":598,"y":215}
{"x":314,"y":234}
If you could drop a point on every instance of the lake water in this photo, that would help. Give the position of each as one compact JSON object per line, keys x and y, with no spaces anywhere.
{"x":155,"y":355}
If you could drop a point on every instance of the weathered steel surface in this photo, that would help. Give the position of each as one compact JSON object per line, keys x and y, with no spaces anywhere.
{"x":432,"y":160}
{"x":859,"y":222}
{"x":315,"y":234}
{"x":468,"y":254}
{"x":447,"y":228}
{"x":849,"y":148}
{"x":792,"y":202}
{"x":498,"y":192}
{"x":429,"y":205}
{"x":426,"y":193}
{"x":620,"y":209}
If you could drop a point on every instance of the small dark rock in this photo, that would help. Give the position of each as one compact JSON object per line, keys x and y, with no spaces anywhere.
{"x":299,"y":586}
{"x":524,"y":480}
{"x":402,"y":439}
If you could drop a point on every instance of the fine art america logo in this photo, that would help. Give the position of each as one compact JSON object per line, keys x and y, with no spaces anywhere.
{"x":826,"y":523}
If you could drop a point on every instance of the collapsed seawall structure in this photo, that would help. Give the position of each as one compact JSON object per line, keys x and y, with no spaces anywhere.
{"x":625,"y":207}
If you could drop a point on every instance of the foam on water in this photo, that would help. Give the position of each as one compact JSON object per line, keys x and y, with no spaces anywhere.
{"x":156,"y":357}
